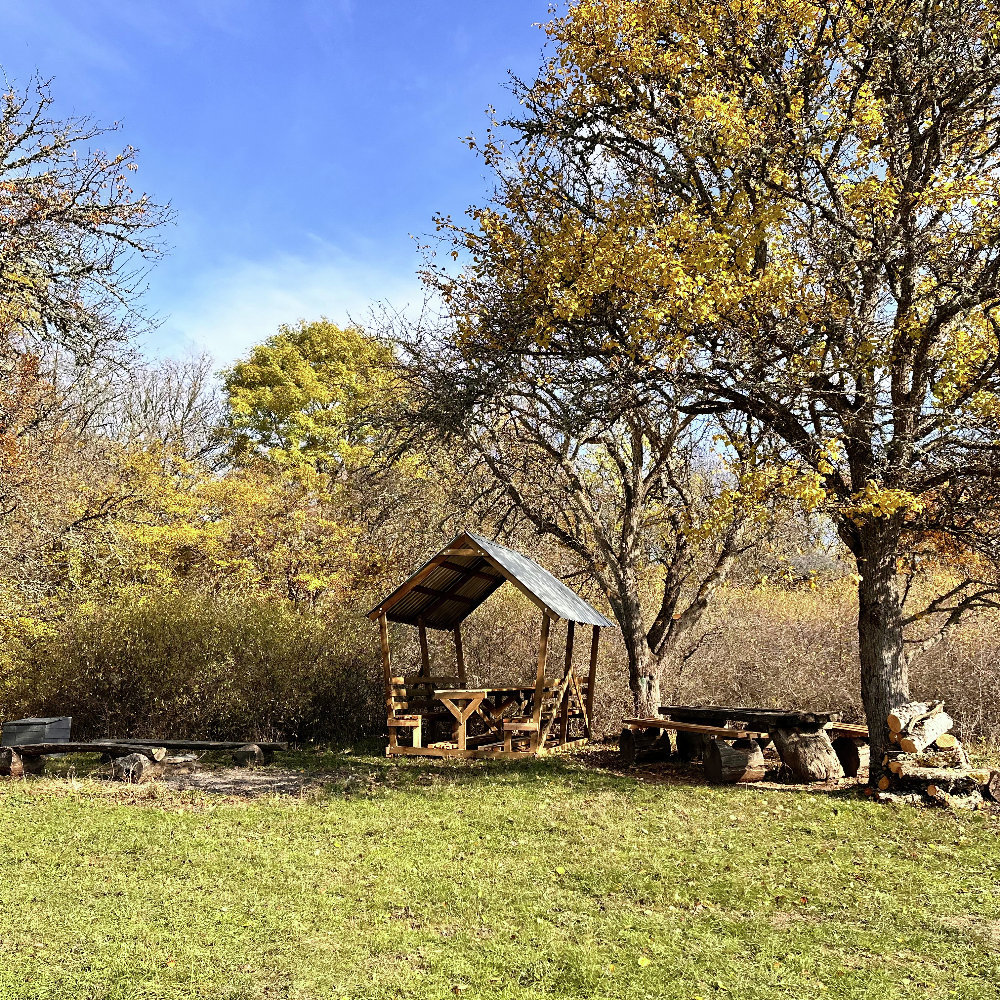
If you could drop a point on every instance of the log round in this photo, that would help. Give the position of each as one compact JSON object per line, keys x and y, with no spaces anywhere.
{"x":849,"y":754}
{"x":923,"y":733}
{"x":808,"y":755}
{"x":634,"y":743}
{"x":133,"y":768}
{"x":690,"y":746}
{"x":904,"y":716}
{"x":725,"y":764}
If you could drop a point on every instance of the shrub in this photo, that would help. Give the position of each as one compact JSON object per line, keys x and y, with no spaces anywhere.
{"x":181,"y":665}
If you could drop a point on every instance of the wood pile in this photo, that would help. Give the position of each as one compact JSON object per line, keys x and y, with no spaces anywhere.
{"x":929,"y":765}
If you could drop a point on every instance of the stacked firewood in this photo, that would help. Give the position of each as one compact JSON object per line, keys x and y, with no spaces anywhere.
{"x":930,"y":766}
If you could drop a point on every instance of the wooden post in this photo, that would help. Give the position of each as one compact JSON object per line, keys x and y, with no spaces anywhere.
{"x":592,"y":680}
{"x":383,"y":633}
{"x":425,"y":657}
{"x":564,"y":719}
{"x":543,"y":649}
{"x":460,"y":655}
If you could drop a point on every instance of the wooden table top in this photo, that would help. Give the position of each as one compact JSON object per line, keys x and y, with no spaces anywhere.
{"x":458,"y":692}
{"x":780,"y":717}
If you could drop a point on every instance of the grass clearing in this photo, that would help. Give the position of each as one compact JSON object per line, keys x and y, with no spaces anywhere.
{"x":545,"y":878}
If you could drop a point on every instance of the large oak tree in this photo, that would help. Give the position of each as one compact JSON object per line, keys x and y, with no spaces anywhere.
{"x":797,"y":200}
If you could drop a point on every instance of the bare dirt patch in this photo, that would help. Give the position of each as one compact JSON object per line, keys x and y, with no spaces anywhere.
{"x":241,"y":782}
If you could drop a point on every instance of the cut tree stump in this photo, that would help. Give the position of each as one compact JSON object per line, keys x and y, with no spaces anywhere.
{"x":923,"y":733}
{"x":725,"y":764}
{"x":808,"y":755}
{"x":10,"y":763}
{"x":690,"y":746}
{"x":134,"y":768}
{"x":848,"y":753}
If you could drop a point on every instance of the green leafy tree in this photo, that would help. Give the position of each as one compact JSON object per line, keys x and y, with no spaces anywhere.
{"x":311,"y":394}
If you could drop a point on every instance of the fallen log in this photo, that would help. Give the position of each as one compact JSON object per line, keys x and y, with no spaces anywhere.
{"x":726,"y":765}
{"x":907,"y":798}
{"x":953,"y":757}
{"x":904,"y":717}
{"x":946,"y":741}
{"x":923,"y":733}
{"x":808,"y":755}
{"x":960,"y":780}
{"x":969,"y":800}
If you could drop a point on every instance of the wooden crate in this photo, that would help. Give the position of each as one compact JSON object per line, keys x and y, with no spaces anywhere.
{"x":22,"y":732}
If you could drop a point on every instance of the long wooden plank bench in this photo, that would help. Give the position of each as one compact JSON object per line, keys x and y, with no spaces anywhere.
{"x":205,"y":745}
{"x":720,"y":732}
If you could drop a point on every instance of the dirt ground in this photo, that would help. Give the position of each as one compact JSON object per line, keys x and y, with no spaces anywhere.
{"x":272,"y":780}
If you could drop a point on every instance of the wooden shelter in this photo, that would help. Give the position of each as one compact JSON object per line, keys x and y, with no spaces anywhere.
{"x":551,"y":712}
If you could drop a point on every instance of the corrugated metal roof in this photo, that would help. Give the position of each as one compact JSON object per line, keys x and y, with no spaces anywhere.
{"x":552,"y":593}
{"x":452,"y":584}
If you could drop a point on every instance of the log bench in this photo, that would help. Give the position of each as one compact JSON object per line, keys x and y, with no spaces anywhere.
{"x":29,"y":758}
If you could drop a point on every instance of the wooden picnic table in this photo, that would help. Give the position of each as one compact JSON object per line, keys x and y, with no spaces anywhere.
{"x":814,"y":746}
{"x":489,"y":704}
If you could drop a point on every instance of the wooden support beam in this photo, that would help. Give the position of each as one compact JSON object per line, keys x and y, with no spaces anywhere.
{"x":449,"y":593}
{"x":543,"y":650}
{"x":383,"y":633}
{"x":592,"y":679}
{"x":472,"y":571}
{"x":460,"y":656}
{"x":567,"y":672}
{"x":425,"y":656}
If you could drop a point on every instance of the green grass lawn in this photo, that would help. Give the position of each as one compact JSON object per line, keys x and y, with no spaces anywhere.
{"x":547,"y":878}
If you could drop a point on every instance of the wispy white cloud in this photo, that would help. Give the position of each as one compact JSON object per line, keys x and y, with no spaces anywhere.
{"x":241,"y":302}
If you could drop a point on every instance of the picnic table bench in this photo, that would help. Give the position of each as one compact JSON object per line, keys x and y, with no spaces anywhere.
{"x":814,"y":746}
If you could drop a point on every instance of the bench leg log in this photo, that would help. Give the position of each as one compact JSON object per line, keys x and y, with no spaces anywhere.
{"x":691,"y":746}
{"x":133,"y":768}
{"x":808,"y":755}
{"x":11,"y":763}
{"x":848,"y":751}
{"x":638,"y":743}
{"x":726,"y":765}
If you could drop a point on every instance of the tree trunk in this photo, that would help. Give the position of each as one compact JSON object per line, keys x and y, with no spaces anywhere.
{"x":884,"y":677}
{"x":643,"y":674}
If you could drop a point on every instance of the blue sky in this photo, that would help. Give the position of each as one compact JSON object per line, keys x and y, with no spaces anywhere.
{"x":300,"y":143}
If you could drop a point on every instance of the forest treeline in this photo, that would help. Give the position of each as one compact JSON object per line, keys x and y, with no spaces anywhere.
{"x":193,"y":553}
{"x":721,"y":347}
